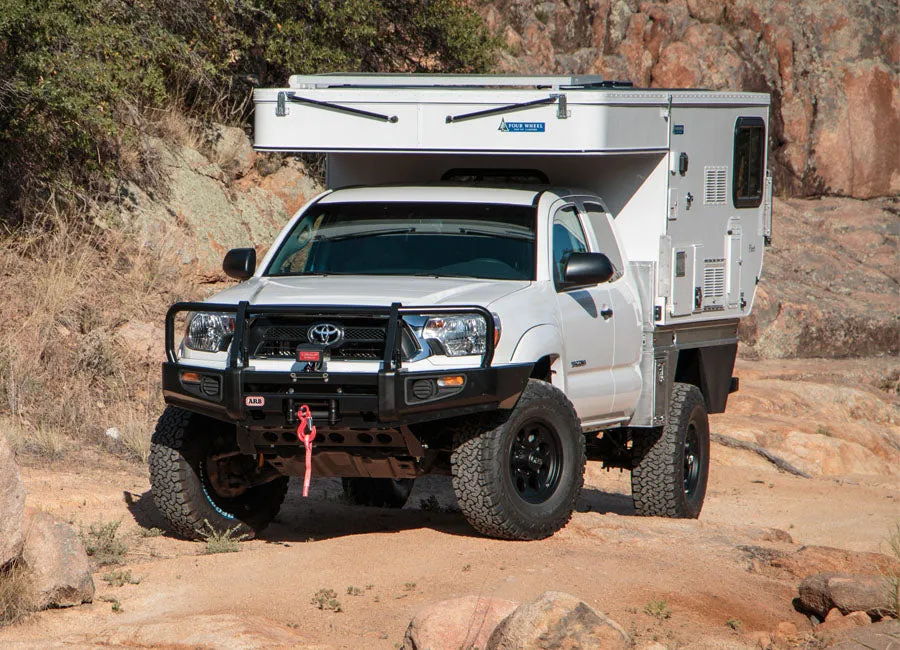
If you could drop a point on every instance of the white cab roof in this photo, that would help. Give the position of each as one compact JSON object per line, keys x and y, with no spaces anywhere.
{"x":442,"y":193}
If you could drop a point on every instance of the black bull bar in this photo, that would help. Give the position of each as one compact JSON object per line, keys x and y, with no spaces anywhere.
{"x":340,"y":401}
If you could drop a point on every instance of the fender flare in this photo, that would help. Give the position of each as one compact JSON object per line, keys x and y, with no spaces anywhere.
{"x":542,"y":341}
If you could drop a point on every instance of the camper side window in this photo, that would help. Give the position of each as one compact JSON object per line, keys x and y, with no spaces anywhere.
{"x":749,"y":162}
{"x":606,"y":240}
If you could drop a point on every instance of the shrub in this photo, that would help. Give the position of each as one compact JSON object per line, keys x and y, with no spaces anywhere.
{"x":226,"y":541}
{"x":77,"y":78}
{"x":326,"y":599}
{"x":102,"y":542}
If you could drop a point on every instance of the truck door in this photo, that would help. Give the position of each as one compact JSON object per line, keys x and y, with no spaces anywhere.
{"x":586,"y":324}
{"x":626,"y":317}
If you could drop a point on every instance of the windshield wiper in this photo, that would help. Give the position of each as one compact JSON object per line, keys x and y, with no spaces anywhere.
{"x":297,"y":274}
{"x":506,"y":234}
{"x":369,"y":233}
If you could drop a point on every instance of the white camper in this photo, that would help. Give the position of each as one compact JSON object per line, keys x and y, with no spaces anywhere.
{"x":506,"y":276}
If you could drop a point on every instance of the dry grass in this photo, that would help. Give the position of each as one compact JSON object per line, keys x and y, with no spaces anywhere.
{"x":17,"y":593}
{"x":66,"y":373}
{"x":892,"y":573}
{"x":172,"y":125}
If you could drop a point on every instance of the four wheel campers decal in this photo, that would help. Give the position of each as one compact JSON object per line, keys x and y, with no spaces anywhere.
{"x":522,"y":127}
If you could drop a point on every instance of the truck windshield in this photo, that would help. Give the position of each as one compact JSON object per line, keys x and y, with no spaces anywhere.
{"x":474,"y":240}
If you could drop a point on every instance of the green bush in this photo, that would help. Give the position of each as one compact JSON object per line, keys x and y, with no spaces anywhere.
{"x":77,"y":77}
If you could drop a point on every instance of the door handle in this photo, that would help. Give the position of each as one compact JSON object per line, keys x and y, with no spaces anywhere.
{"x":606,"y":312}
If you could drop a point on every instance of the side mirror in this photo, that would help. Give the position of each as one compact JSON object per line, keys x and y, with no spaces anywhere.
{"x":584,"y":269}
{"x":240,"y":263}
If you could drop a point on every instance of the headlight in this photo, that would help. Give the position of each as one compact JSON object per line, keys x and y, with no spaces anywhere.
{"x":458,"y":335}
{"x":209,"y":332}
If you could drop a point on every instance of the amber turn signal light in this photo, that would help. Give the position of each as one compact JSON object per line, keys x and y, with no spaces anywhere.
{"x":452,"y":381}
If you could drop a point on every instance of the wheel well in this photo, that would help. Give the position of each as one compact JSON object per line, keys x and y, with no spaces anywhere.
{"x":541,"y":369}
{"x":687,"y":371}
{"x":709,"y":369}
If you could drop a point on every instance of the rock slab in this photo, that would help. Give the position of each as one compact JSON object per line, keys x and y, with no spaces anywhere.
{"x":884,"y":635}
{"x":12,"y":504}
{"x":835,"y":622}
{"x":58,"y":562}
{"x":848,"y":593}
{"x":558,"y":621}
{"x":458,"y":623}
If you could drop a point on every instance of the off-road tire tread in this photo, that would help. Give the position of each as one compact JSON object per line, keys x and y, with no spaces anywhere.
{"x":474,"y":463}
{"x":178,"y":493}
{"x":657,"y":487}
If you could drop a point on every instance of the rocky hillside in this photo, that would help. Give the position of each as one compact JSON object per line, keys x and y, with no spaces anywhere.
{"x":833,"y":69}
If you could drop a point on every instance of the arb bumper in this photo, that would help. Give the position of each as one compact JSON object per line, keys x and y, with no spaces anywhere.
{"x":347,"y":407}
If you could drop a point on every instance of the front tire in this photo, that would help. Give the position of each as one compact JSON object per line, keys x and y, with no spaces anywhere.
{"x":517,"y":475}
{"x":182,"y":451}
{"x":672,"y":464}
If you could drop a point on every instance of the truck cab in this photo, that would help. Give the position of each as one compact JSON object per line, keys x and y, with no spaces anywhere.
{"x":479,"y":321}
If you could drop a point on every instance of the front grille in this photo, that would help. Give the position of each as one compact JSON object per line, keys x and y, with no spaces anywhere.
{"x":364,"y":338}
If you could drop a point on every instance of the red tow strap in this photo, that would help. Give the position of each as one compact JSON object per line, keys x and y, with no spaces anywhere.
{"x":306,"y":422}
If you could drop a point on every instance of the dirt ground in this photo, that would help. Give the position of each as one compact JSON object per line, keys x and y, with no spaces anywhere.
{"x":698,"y":576}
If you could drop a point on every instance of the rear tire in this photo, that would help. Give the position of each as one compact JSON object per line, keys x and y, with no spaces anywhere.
{"x":516,"y":475}
{"x":180,"y":452}
{"x":378,"y":492}
{"x":671,"y":467}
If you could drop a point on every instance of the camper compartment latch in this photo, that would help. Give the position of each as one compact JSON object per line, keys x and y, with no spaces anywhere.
{"x":562,"y":108}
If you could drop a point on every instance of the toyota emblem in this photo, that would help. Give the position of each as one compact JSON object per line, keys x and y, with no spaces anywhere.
{"x":325,"y":334}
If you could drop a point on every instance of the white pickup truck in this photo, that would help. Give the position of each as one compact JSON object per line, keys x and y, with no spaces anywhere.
{"x":452,"y":306}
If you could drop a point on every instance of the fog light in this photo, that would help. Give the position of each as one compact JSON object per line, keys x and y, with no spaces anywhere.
{"x":424,"y":389}
{"x":453,"y":381}
{"x":209,"y":386}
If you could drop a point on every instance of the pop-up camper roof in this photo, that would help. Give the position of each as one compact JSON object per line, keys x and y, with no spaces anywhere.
{"x":472,"y":114}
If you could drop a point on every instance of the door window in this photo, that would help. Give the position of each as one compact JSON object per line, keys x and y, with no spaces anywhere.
{"x":606,"y":240}
{"x":568,"y":238}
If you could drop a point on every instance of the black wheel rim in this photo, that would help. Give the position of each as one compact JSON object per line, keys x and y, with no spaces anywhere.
{"x":535,"y":462}
{"x":691,"y":459}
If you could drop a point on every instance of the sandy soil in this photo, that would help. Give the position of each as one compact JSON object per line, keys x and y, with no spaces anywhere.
{"x":709,"y":571}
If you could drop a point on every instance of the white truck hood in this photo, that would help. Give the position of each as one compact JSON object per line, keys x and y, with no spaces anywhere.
{"x":369,"y":291}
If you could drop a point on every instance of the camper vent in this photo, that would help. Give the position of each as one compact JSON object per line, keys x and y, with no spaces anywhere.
{"x":714,"y":185}
{"x":714,"y":280}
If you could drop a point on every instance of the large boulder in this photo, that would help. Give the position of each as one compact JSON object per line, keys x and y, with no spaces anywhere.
{"x":831,"y":68}
{"x":822,"y":592}
{"x":458,"y":623}
{"x":12,"y":504}
{"x":828,"y":287}
{"x":558,"y":621}
{"x":208,"y":209}
{"x":57,"y":560}
{"x":230,"y":148}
